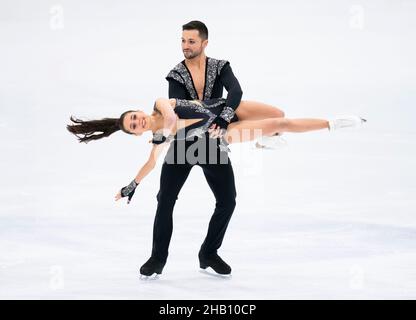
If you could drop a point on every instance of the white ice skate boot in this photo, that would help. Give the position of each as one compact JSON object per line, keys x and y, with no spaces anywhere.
{"x":271,"y":142}
{"x":342,"y":122}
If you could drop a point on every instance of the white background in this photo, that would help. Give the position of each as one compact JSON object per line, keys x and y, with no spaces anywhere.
{"x":331,"y":216}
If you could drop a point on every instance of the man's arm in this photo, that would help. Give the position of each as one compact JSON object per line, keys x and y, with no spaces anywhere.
{"x":176,"y":90}
{"x":231,"y":84}
{"x":234,"y":94}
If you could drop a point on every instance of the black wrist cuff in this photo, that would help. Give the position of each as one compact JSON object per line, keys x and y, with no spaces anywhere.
{"x":221,"y":123}
{"x":159,"y":140}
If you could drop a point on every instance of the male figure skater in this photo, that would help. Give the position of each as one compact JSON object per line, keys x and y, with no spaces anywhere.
{"x":198,"y":77}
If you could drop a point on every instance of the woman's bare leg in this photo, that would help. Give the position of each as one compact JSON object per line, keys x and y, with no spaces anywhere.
{"x":247,"y":130}
{"x":252,"y":110}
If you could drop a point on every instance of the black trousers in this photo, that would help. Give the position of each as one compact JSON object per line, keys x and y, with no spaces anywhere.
{"x":220,"y":178}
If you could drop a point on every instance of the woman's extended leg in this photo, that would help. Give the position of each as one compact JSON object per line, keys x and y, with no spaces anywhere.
{"x":252,"y":110}
{"x":248,"y":130}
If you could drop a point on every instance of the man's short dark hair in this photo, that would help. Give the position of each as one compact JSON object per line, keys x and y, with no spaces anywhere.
{"x":197,"y":25}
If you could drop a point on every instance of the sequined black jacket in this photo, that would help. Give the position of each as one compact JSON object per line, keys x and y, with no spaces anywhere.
{"x":218,"y":75}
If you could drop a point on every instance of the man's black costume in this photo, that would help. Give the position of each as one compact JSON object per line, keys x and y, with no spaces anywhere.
{"x":219,"y":174}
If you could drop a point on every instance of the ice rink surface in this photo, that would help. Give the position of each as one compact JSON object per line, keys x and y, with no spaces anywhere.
{"x":330,"y":216}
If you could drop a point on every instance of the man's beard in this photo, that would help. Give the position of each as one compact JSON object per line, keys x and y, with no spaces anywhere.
{"x":191,"y":55}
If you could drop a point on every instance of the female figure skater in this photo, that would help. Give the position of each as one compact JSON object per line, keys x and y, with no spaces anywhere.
{"x":182,"y":119}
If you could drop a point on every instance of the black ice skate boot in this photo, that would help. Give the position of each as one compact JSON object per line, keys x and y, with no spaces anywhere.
{"x":215,"y":262}
{"x":152,"y":266}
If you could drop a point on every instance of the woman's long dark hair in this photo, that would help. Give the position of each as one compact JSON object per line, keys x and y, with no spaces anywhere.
{"x":87,"y":130}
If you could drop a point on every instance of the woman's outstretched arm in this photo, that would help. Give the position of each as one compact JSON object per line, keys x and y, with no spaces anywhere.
{"x":143,"y":172}
{"x":150,"y":163}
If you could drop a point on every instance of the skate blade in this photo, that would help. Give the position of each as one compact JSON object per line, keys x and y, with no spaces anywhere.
{"x":280,"y":145}
{"x":259,"y":146}
{"x":262,"y":147}
{"x":153,"y":277}
{"x":209,"y":271}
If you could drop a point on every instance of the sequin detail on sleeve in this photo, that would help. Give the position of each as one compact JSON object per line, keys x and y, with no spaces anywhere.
{"x":221,"y":64}
{"x":175,"y":76}
{"x":203,"y":108}
{"x":227,"y":114}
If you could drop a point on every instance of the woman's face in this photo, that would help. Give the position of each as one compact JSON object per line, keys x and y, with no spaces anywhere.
{"x":136,"y":122}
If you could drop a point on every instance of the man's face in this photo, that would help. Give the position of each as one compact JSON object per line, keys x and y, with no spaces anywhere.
{"x":192,"y":44}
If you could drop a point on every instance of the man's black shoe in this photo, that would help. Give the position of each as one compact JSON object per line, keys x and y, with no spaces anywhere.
{"x":152,"y":266}
{"x":215,"y":262}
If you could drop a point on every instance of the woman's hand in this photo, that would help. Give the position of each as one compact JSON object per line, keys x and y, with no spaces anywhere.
{"x":215,"y":131}
{"x":127,"y":191}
